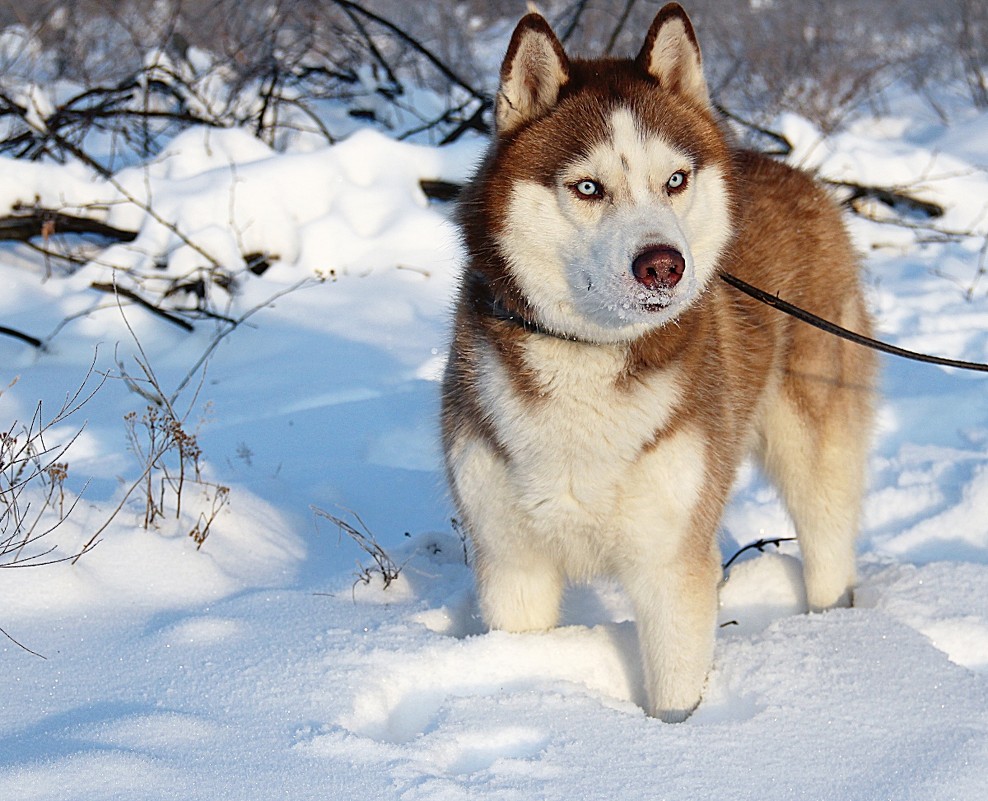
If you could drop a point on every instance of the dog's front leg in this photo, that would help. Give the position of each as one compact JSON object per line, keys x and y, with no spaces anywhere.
{"x":519,"y":590}
{"x":670,"y":567}
{"x":519,"y":587}
{"x":676,"y":610}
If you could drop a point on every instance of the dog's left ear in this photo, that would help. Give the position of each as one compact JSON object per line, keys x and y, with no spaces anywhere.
{"x":671,"y":54}
{"x":535,"y":69}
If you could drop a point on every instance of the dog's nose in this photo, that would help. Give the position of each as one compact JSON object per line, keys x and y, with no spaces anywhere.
{"x":658,"y":268}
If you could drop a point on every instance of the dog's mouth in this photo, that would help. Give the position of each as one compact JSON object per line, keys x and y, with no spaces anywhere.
{"x":639,"y":305}
{"x":648,"y":301}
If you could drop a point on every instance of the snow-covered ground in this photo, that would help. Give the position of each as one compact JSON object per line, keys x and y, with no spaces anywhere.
{"x":260,"y":667}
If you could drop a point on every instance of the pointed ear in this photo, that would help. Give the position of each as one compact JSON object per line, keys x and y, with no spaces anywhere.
{"x":671,"y":54}
{"x":535,"y":68}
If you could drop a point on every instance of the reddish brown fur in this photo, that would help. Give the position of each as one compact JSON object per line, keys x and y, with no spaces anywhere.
{"x":745,"y":366}
{"x":786,"y":226}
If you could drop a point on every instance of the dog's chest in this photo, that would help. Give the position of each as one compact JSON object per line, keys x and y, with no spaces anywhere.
{"x":578,"y":427}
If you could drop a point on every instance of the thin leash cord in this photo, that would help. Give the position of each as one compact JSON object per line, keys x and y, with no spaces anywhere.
{"x":832,"y":328}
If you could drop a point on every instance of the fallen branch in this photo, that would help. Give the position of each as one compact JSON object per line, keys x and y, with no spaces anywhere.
{"x":785,"y":146}
{"x":26,"y":224}
{"x":108,"y":176}
{"x":116,"y":289}
{"x":896,"y":199}
{"x":893,"y":198}
{"x":30,"y":340}
{"x":440,"y":190}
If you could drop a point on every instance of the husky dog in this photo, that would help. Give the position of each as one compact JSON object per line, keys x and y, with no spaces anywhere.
{"x":604,"y":385}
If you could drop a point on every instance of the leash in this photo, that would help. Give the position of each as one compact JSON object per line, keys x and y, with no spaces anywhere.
{"x":492,"y":306}
{"x":832,"y":328}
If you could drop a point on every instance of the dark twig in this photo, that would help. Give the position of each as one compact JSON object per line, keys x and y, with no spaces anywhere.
{"x":372,"y":48}
{"x":462,"y":535}
{"x":267,"y":100}
{"x":124,"y":292}
{"x":622,"y":21}
{"x":57,"y":138}
{"x":785,"y":146}
{"x":108,"y":176}
{"x":475,"y":122}
{"x":22,"y":646}
{"x":30,"y":340}
{"x":758,"y":545}
{"x":890,"y":197}
{"x":440,"y":190}
{"x":574,"y":21}
{"x":414,"y":44}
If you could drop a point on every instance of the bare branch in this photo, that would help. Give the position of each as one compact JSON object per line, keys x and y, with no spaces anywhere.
{"x":122,"y":291}
{"x":758,"y":545}
{"x":622,"y":21}
{"x":415,"y":45}
{"x":30,"y":340}
{"x":21,"y":645}
{"x":27,"y":223}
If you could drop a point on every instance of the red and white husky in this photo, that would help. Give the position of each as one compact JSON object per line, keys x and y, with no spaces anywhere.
{"x":603,"y":385}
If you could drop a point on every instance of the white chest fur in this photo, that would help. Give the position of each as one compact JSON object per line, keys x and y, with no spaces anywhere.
{"x":573,"y":449}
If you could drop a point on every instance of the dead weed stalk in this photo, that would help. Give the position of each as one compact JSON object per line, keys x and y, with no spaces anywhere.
{"x":384,"y":565}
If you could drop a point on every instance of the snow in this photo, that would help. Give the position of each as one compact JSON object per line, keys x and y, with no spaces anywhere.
{"x":262,"y":666}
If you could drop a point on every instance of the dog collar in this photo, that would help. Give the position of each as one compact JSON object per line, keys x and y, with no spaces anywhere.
{"x":499,"y":312}
{"x":486,"y":301}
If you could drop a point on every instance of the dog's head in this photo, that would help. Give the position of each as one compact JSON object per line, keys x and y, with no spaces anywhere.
{"x":606,"y":194}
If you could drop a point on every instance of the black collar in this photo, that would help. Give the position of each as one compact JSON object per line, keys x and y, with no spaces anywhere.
{"x":499,"y":311}
{"x":490,"y":305}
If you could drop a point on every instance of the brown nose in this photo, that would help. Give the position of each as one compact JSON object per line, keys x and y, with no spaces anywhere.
{"x":658,"y":268}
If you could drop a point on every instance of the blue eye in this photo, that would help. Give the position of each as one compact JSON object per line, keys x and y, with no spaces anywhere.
{"x":676,"y":181}
{"x":588,"y":188}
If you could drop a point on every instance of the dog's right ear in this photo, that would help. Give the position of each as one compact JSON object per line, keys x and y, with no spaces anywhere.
{"x":671,"y":54}
{"x":535,"y":68}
